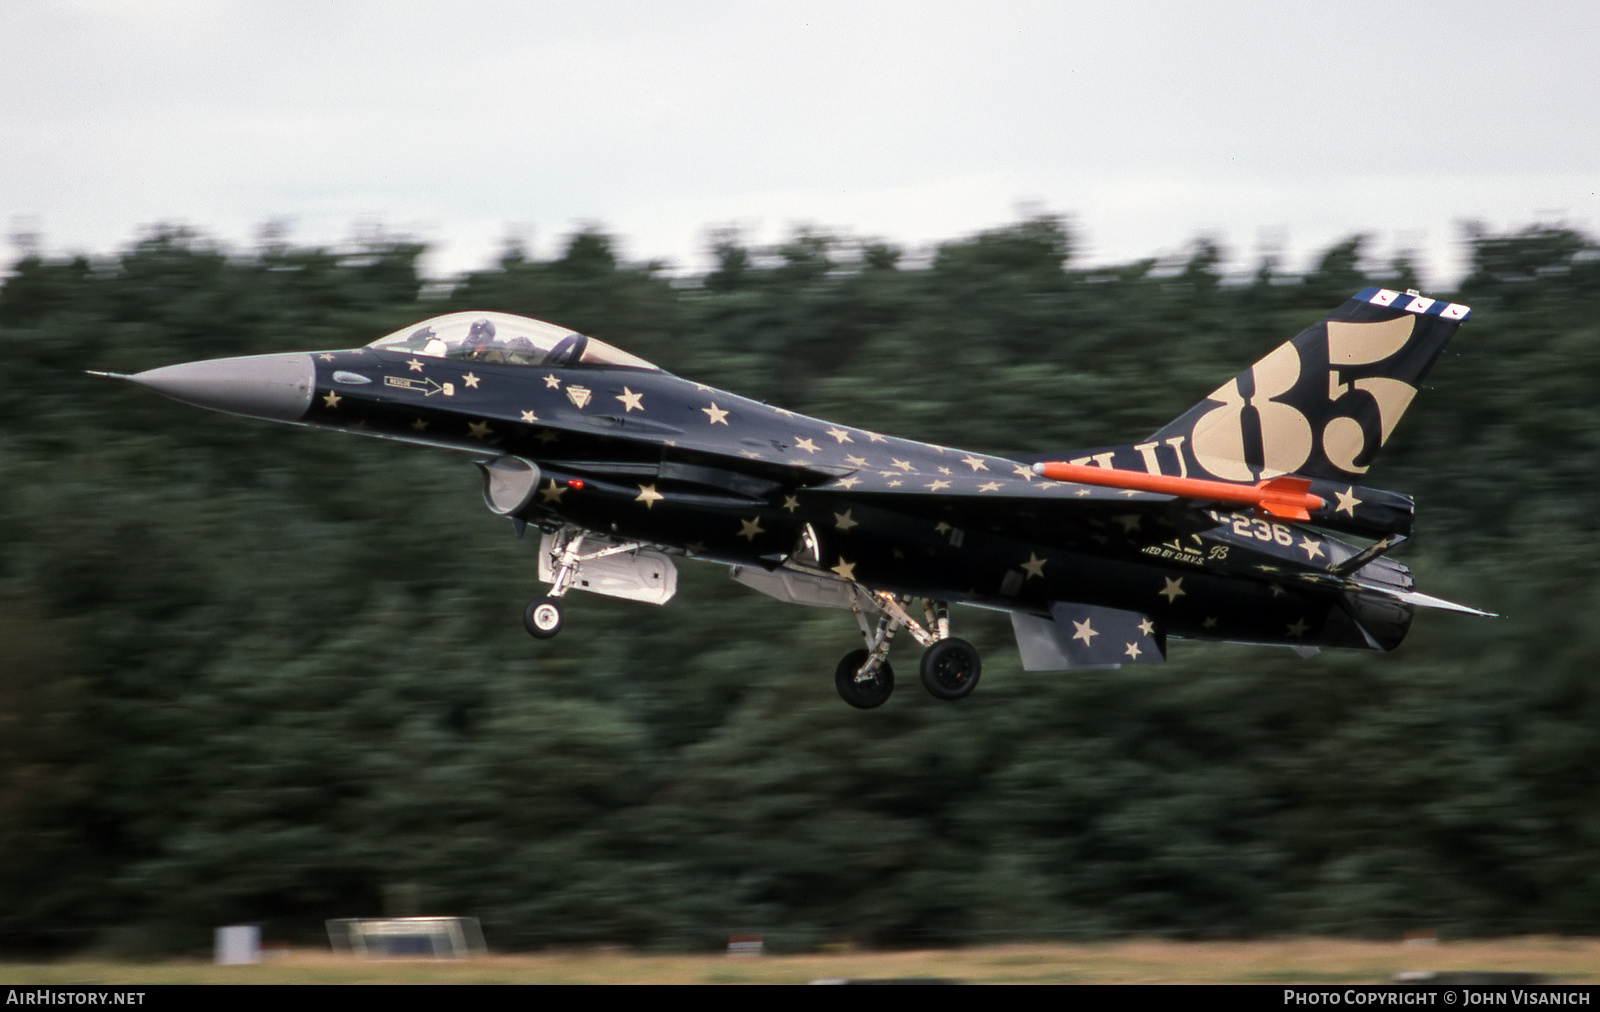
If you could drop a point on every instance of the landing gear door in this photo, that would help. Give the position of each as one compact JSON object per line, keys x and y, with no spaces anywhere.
{"x":613,"y":569}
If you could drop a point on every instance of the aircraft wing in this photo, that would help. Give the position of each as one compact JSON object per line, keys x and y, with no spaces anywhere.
{"x":980,"y":486}
{"x":1049,"y":511}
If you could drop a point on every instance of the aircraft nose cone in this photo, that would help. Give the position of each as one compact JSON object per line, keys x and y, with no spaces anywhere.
{"x":277,"y":387}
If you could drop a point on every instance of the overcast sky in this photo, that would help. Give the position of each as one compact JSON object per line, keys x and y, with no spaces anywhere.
{"x":1147,"y":124}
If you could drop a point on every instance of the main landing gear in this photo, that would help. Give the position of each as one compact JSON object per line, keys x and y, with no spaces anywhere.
{"x":950,"y":667}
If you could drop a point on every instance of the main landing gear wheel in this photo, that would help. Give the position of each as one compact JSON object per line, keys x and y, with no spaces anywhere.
{"x":950,"y":669}
{"x":542,"y":618}
{"x":868,"y":692}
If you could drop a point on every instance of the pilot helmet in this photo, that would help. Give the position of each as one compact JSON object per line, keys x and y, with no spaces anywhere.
{"x":481,"y":334}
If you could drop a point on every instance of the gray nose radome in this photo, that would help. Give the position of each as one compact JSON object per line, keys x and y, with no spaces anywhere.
{"x":277,"y":387}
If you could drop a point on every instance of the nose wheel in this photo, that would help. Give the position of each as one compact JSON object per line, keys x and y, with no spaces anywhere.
{"x":542,"y":618}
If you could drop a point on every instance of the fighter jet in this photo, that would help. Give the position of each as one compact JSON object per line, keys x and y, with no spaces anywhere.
{"x":1228,"y":523}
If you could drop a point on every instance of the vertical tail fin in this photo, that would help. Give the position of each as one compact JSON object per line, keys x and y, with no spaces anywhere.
{"x":1322,"y":404}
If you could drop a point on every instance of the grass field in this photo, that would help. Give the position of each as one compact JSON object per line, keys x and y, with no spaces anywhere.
{"x":1307,"y":961}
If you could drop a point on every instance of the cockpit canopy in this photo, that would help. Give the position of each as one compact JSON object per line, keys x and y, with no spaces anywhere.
{"x":501,"y":337}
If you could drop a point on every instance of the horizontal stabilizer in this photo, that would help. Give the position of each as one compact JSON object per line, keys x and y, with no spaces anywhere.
{"x":1078,"y":636}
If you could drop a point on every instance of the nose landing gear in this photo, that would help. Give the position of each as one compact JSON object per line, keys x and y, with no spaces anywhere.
{"x":569,"y":566}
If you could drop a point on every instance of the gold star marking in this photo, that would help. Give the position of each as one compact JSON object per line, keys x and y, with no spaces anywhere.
{"x":850,"y":482}
{"x":844,"y":522}
{"x":1277,"y":590}
{"x":1085,"y":632}
{"x":790,"y":503}
{"x":470,"y":380}
{"x":1173,"y":589}
{"x":806,"y":445}
{"x":846,"y":570}
{"x":989,"y":486}
{"x":420,"y":424}
{"x":1299,"y":628}
{"x":785,"y":412}
{"x":1082,"y":492}
{"x":1034,"y":566}
{"x":1129,"y":522}
{"x":840,"y":434}
{"x":1147,"y":627}
{"x":529,"y":416}
{"x":1209,"y":623}
{"x":888,"y":474}
{"x":1312,"y":549}
{"x":934,"y":486}
{"x":873,"y":437}
{"x":975,"y":463}
{"x":630,"y":400}
{"x":750,"y":528}
{"x":1129,"y":492}
{"x":326,"y":357}
{"x":332,"y":400}
{"x":479,"y":430}
{"x":904,"y":465}
{"x":855,"y":461}
{"x":753,"y":455}
{"x":1133,"y":650}
{"x":552,"y":382}
{"x":946,"y":471}
{"x":896,"y":484}
{"x":552,"y":492}
{"x":716,"y":414}
{"x":1347,"y":501}
{"x":415,"y":365}
{"x":1025,"y":473}
{"x":942,"y":528}
{"x":648,"y":495}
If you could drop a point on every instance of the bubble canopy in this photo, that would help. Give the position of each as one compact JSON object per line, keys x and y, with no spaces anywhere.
{"x":501,"y":337}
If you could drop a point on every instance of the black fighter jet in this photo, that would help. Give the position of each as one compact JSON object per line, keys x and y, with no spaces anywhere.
{"x":1221,"y":525}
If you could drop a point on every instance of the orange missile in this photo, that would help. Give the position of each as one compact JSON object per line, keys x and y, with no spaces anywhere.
{"x":1285,"y":496}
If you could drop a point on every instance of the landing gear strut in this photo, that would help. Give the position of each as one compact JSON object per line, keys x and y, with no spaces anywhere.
{"x":950,"y":667}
